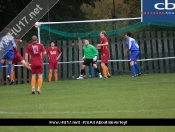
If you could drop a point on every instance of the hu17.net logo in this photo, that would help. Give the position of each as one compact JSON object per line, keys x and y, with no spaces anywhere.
{"x":158,"y":10}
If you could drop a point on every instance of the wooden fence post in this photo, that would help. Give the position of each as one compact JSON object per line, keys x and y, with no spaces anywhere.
{"x":165,"y":44}
{"x":160,"y":51}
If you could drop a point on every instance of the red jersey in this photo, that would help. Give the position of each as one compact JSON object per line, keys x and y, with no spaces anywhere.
{"x":35,"y":50}
{"x":104,"y":49}
{"x":53,"y":54}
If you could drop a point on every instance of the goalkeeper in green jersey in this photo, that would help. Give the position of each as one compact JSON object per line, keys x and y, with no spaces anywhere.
{"x":90,"y":56}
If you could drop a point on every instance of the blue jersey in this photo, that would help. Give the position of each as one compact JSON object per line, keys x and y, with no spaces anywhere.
{"x":131,"y":44}
{"x":7,"y":43}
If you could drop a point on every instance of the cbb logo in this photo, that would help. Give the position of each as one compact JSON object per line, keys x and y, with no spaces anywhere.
{"x":164,"y":6}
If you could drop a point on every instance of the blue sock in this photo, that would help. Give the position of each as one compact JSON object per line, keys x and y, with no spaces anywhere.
{"x":9,"y":69}
{"x":137,"y":68}
{"x":133,"y":70}
{"x":1,"y":64}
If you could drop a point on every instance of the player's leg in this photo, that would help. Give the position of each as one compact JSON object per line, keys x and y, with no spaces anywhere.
{"x":3,"y":58}
{"x":9,"y":70}
{"x":50,"y":75}
{"x":107,"y":71}
{"x":40,"y":77}
{"x":51,"y":66}
{"x":56,"y":71}
{"x":104,"y":67}
{"x":136,"y":65}
{"x":82,"y":72}
{"x":132,"y":62}
{"x":40,"y":81}
{"x":104,"y":60}
{"x":1,"y":63}
{"x":10,"y":57}
{"x":97,"y":70}
{"x":33,"y":82}
{"x":85,"y":63}
{"x":55,"y":75}
{"x":12,"y":74}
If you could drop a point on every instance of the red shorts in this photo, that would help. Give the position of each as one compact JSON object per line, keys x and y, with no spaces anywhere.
{"x":17,"y":58}
{"x":53,"y":65}
{"x":37,"y":67}
{"x":104,"y":58}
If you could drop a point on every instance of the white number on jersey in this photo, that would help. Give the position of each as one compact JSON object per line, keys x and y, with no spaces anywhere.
{"x":35,"y":49}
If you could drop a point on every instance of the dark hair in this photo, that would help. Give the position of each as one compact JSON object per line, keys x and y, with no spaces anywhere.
{"x":128,"y":34}
{"x":8,"y":30}
{"x":52,"y":42}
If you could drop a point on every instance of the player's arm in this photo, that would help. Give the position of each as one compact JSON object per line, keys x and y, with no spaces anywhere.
{"x":44,"y":55}
{"x":127,"y":47}
{"x":43,"y":50}
{"x":14,"y":43}
{"x":95,"y":53}
{"x":84,"y":57}
{"x":59,"y":55}
{"x":26,"y":57}
{"x":1,"y":45}
{"x":18,"y":41}
{"x":105,"y":44}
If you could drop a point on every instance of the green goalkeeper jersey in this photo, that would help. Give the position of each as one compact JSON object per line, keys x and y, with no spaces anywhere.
{"x":90,"y":51}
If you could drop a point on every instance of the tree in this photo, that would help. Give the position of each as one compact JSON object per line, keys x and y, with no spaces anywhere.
{"x":64,"y":10}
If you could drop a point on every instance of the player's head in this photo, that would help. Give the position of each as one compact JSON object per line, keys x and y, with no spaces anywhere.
{"x":8,"y":31}
{"x":34,"y":38}
{"x":102,"y":33}
{"x":52,"y":43}
{"x":128,"y":34}
{"x":86,"y":42}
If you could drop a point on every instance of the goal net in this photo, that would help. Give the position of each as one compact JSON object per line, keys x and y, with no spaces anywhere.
{"x":156,"y":42}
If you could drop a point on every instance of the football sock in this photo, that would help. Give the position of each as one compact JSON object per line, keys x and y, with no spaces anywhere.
{"x":107,"y":71}
{"x":56,"y":76}
{"x":49,"y":76}
{"x":40,"y":81}
{"x":97,"y":70}
{"x":33,"y":82}
{"x":12,"y":75}
{"x":133,"y":70}
{"x":9,"y":69}
{"x":137,"y":68}
{"x":1,"y":65}
{"x":82,"y":71}
{"x":104,"y":71}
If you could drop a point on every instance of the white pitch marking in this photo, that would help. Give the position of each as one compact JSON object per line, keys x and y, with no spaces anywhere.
{"x":84,"y":112}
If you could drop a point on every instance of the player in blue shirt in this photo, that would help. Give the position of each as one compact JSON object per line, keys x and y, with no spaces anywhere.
{"x":7,"y":44}
{"x":133,"y":47}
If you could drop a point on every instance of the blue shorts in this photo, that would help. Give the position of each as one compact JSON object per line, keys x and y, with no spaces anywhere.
{"x":9,"y":55}
{"x":134,"y":55}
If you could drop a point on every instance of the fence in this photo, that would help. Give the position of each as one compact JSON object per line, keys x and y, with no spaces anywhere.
{"x":152,"y":45}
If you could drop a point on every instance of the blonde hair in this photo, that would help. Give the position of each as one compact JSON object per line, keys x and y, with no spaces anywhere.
{"x":103,"y":32}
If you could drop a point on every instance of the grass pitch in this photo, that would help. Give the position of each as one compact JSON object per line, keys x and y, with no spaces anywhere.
{"x":148,"y":96}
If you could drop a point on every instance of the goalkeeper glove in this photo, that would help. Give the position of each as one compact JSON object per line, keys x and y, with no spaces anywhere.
{"x":83,"y":58}
{"x":95,"y":58}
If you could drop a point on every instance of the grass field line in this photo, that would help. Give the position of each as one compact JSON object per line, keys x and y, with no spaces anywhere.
{"x":86,"y":112}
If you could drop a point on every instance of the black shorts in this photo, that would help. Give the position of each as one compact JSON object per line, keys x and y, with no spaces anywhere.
{"x":87,"y":62}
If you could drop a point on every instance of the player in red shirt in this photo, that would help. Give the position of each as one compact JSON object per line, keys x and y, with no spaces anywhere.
{"x":104,"y":50}
{"x":17,"y":58}
{"x":37,"y":53}
{"x":54,"y":54}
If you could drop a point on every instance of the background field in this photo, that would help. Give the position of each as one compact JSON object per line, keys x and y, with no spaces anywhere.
{"x":148,"y":96}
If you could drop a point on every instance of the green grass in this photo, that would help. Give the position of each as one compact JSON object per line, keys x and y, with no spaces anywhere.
{"x":148,"y":96}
